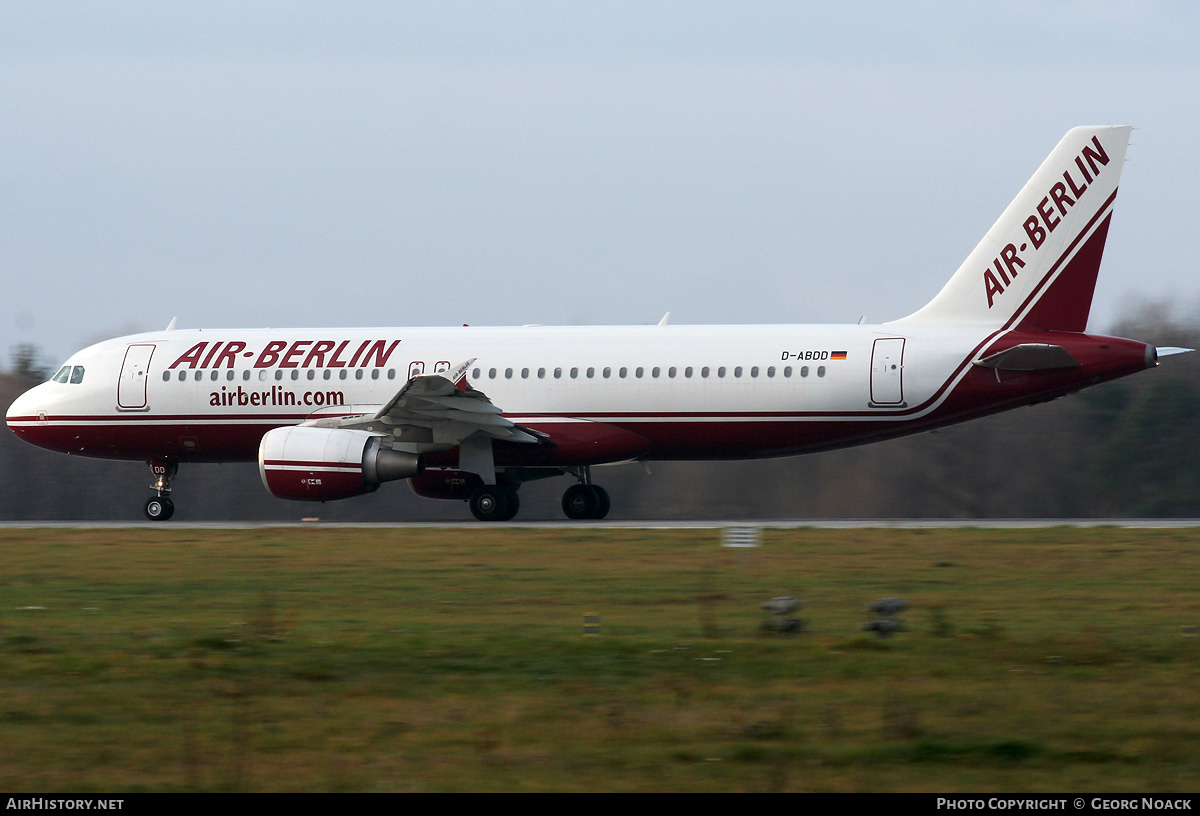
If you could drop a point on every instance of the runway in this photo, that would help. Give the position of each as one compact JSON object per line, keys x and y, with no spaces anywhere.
{"x":656,"y":524}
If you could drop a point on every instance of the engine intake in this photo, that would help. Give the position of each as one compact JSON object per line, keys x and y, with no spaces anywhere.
{"x":322,"y":464}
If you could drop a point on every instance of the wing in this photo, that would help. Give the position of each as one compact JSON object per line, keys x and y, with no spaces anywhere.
{"x":441,"y":409}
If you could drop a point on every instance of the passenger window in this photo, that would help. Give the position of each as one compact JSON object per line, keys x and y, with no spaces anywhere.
{"x":77,"y":374}
{"x":541,"y":373}
{"x":199,"y":374}
{"x":183,"y":375}
{"x":721,"y":371}
{"x":358,"y":374}
{"x":704,"y":372}
{"x":295,"y":373}
{"x":737,"y":371}
{"x":491,"y":373}
{"x":754,"y":371}
{"x":558,"y":373}
{"x":343,"y":374}
{"x":474,"y":374}
{"x":326,"y":375}
{"x":687,"y":372}
{"x":374,"y":373}
{"x":166,"y":376}
{"x":524,"y":373}
{"x":574,"y":373}
{"x":591,"y":372}
{"x":770,"y":371}
{"x":508,"y":373}
{"x":311,"y":374}
{"x":671,"y":372}
{"x":278,"y":374}
{"x":654,"y":371}
{"x":213,"y":376}
{"x":820,"y":371}
{"x":623,"y":372}
{"x":803,"y":371}
{"x":639,"y":372}
{"x":229,"y":374}
{"x":607,"y":372}
{"x":392,"y":373}
{"x":787,"y":371}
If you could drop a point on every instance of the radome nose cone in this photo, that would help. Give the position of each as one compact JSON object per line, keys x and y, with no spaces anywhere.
{"x":23,"y":409}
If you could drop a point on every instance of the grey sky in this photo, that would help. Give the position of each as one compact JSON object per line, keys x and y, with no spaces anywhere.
{"x":441,"y":163}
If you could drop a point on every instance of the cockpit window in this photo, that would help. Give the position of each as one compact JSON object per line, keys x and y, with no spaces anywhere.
{"x":71,"y":374}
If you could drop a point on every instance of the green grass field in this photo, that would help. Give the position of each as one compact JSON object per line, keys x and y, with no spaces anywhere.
{"x":314,"y":659}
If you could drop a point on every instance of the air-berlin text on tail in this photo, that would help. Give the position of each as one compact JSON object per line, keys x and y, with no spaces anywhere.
{"x":1047,"y":215}
{"x":293,"y":354}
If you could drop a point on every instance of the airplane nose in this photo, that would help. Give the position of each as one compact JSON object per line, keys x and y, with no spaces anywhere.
{"x":24,"y":410}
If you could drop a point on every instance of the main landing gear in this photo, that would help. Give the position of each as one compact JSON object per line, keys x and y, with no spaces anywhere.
{"x":160,"y":507}
{"x":499,"y":502}
{"x":495,"y":502}
{"x":585,"y":501}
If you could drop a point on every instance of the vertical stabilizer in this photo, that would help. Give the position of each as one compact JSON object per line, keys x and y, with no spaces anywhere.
{"x":1037,"y":265}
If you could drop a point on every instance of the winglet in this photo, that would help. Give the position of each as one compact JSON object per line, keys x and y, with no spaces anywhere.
{"x":458,"y":374}
{"x":665,"y":319}
{"x":171,"y":325}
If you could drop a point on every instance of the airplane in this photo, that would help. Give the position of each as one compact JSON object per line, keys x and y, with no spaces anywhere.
{"x":470,"y":414}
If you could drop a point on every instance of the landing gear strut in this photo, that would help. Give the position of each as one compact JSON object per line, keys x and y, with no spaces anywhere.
{"x":160,"y":507}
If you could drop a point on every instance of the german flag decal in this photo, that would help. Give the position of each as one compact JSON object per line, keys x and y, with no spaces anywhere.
{"x":837,"y":355}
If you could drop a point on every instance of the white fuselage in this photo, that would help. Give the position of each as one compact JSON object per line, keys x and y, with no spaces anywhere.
{"x":193,"y":384}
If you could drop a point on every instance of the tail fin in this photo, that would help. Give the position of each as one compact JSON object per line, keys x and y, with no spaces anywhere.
{"x":1037,"y":265}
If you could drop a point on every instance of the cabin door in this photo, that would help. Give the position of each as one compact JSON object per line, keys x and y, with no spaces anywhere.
{"x":131,"y":388}
{"x":887,"y":371}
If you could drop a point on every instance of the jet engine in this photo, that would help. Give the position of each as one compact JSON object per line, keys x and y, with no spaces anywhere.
{"x":321,"y":464}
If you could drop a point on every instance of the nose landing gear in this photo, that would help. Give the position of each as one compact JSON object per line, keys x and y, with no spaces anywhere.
{"x":160,"y":507}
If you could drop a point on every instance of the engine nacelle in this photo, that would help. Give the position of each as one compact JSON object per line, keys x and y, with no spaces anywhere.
{"x":446,"y":484}
{"x":321,"y":464}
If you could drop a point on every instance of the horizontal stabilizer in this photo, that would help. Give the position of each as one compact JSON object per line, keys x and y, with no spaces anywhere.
{"x":1030,"y":357}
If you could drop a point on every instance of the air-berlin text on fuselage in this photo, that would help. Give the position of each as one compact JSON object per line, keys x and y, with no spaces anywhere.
{"x":293,"y":354}
{"x":1047,"y":215}
{"x":275,"y":395}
